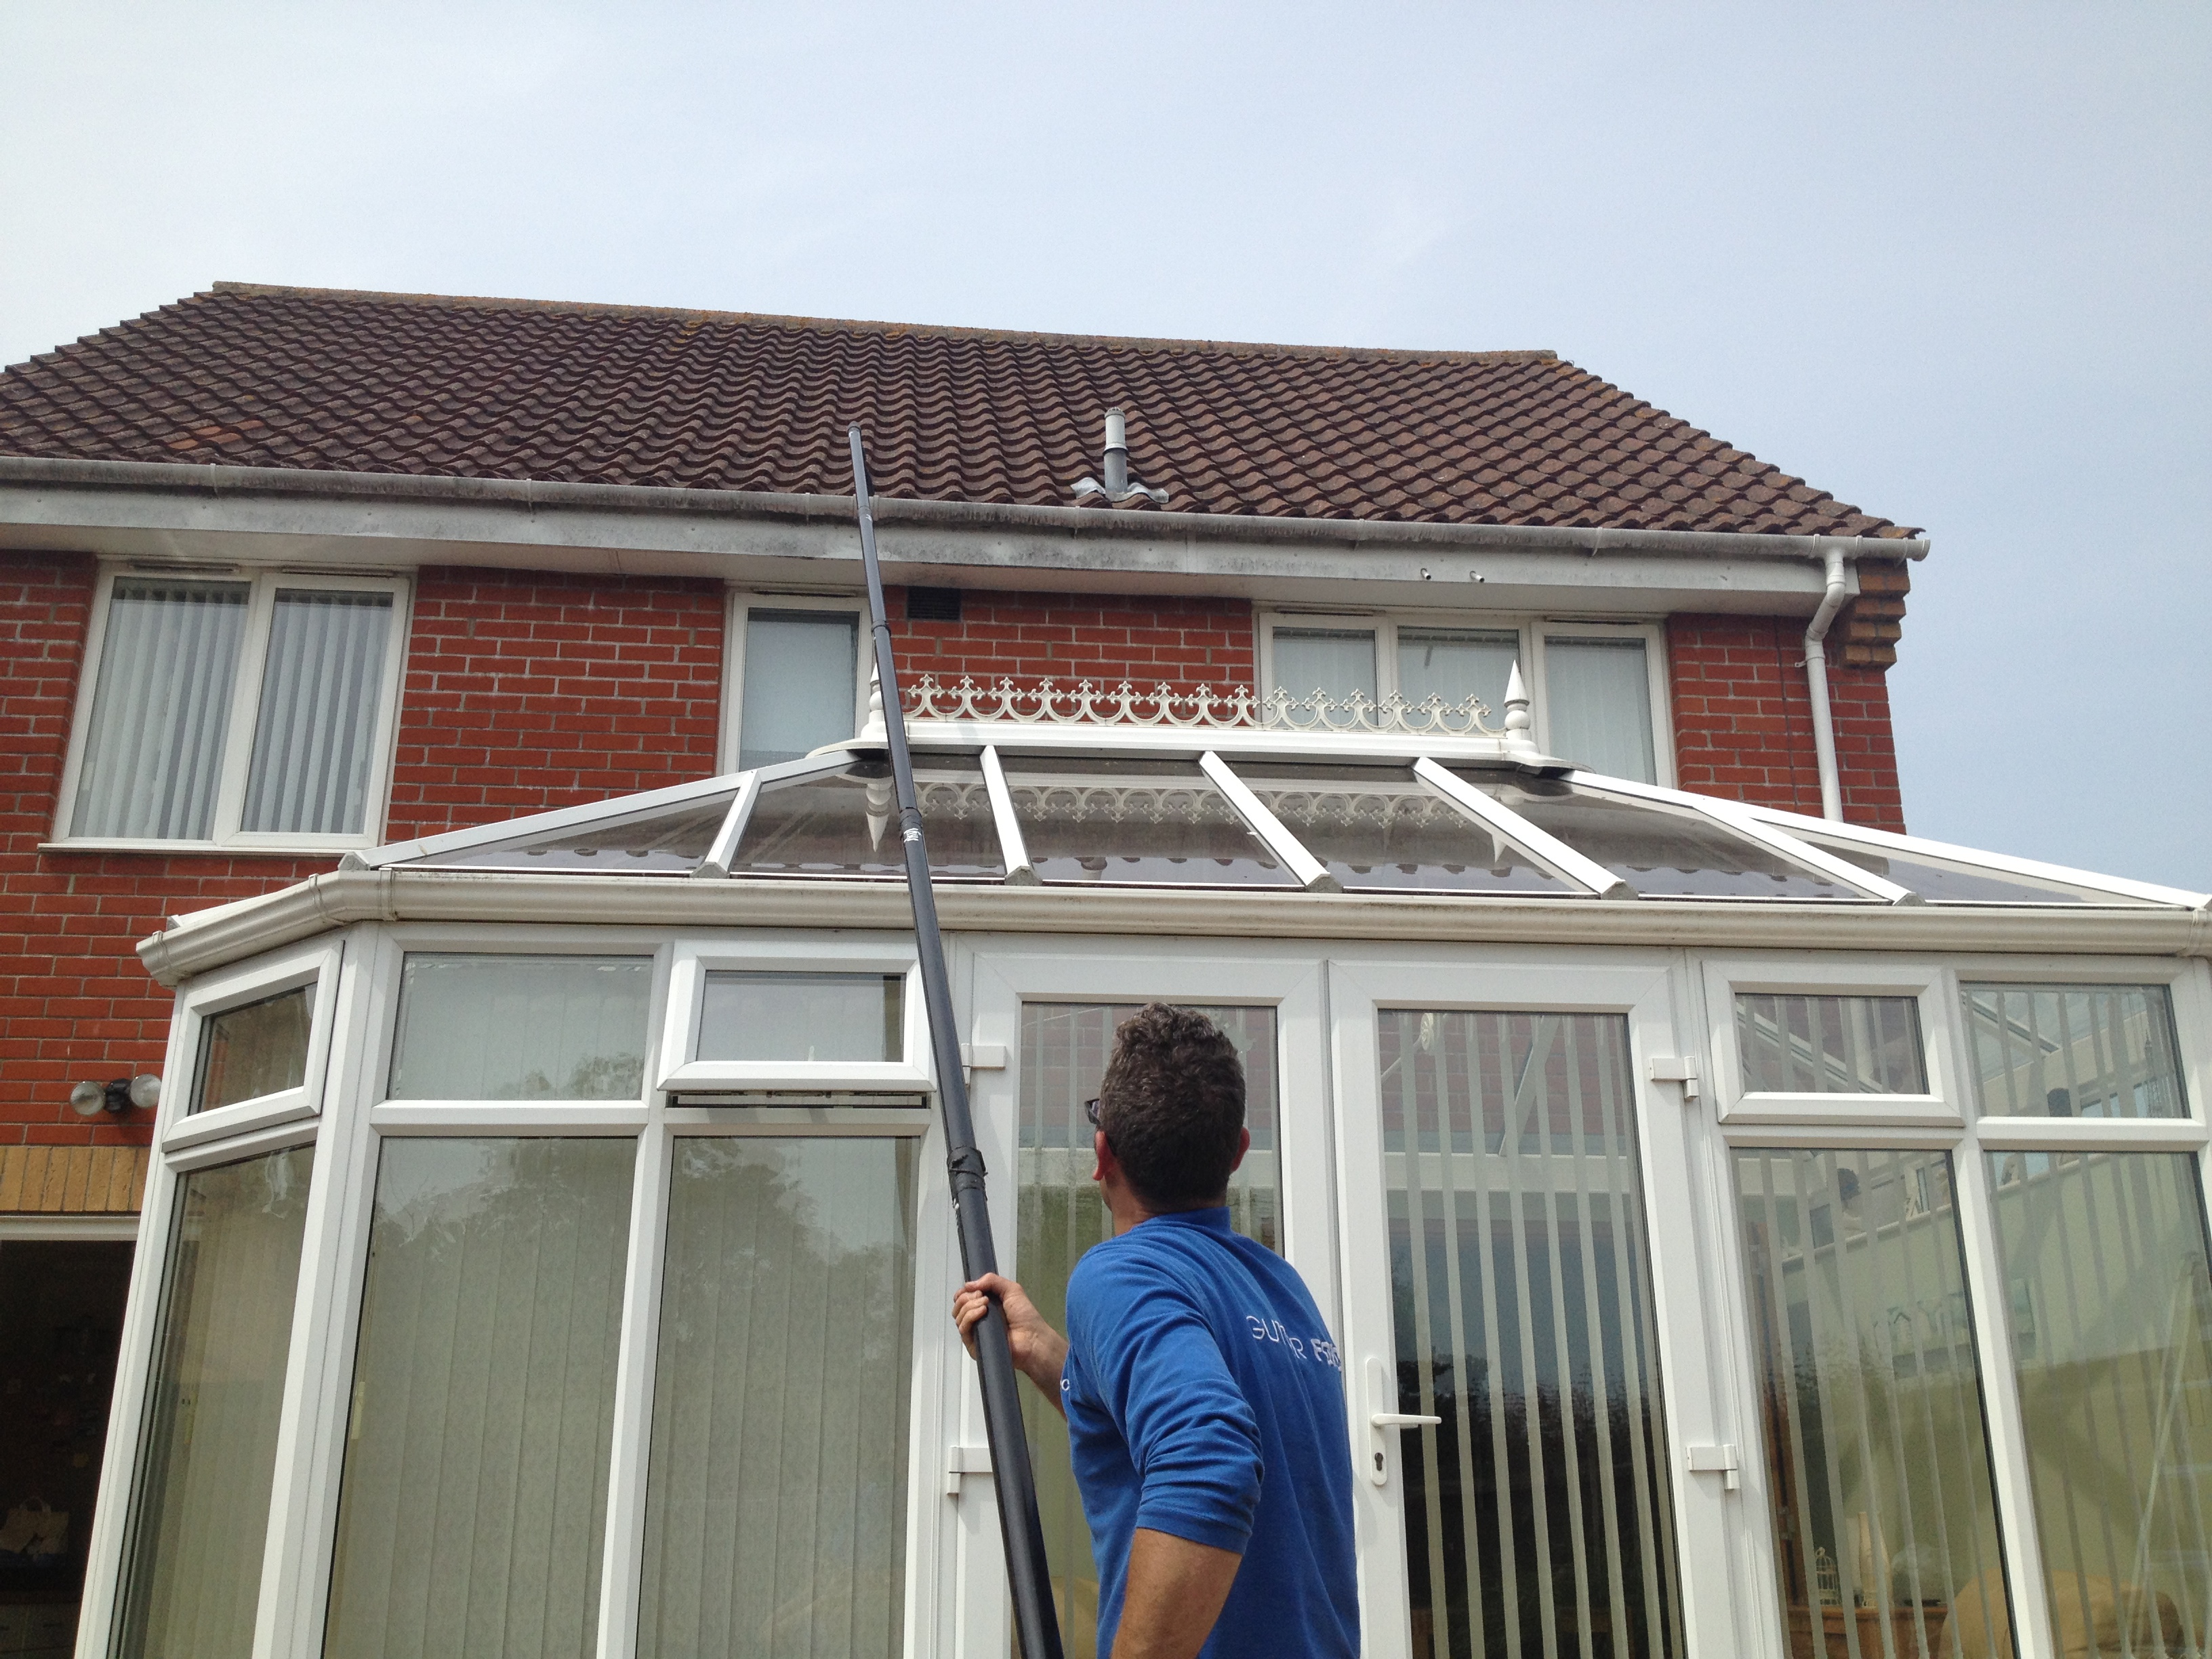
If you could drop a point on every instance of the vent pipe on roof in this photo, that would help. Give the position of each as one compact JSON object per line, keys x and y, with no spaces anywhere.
{"x":1816,"y":685}
{"x":1119,"y":486}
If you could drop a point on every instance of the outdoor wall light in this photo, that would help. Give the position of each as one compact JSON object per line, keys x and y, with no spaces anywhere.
{"x":91,"y":1099}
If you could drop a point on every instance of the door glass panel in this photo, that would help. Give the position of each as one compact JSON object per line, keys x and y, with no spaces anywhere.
{"x":520,"y":1028}
{"x":191,"y":1576}
{"x":256,"y":1051}
{"x":1870,"y":1405}
{"x":473,"y":1501}
{"x":1059,"y":1215}
{"x":1818,"y":1045}
{"x":2075,"y":1050}
{"x":775,"y":1499}
{"x":1538,"y":1518}
{"x":2109,"y":1303}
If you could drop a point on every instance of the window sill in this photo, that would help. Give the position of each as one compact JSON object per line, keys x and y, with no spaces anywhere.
{"x":333,"y":849}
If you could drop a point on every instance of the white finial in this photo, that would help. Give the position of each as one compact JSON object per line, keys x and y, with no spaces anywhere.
{"x":1520,"y":725}
{"x":873,"y":725}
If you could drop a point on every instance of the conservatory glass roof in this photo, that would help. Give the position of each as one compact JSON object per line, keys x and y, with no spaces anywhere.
{"x":1161,"y":811}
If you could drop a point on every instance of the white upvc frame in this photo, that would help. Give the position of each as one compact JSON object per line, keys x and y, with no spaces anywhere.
{"x":1698,"y":1408}
{"x":63,"y":1229}
{"x":239,"y":722}
{"x":315,"y":965}
{"x":743,"y":602}
{"x":680,"y":1070}
{"x":1940,"y":1109}
{"x":1533,"y":630}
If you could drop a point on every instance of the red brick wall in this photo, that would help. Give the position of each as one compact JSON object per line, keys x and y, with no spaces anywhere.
{"x":1743,"y":719}
{"x":1078,"y":636}
{"x":528,"y":691}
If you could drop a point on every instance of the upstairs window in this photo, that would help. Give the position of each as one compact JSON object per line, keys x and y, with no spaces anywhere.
{"x":254,"y":710}
{"x":796,"y":675}
{"x":1590,"y":685}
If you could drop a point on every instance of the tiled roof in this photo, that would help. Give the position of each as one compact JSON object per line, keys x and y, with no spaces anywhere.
{"x":330,"y":380}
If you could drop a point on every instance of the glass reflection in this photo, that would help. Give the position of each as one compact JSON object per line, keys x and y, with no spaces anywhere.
{"x":846,"y":824}
{"x":258,"y":1049}
{"x":2109,"y":1292}
{"x":2075,"y":1050}
{"x":1135,"y":820}
{"x":1379,"y":826}
{"x":1822,"y":1045}
{"x":1877,"y":1455}
{"x":667,"y":841}
{"x":1934,"y":879}
{"x":803,"y":1017}
{"x":520,"y":1028}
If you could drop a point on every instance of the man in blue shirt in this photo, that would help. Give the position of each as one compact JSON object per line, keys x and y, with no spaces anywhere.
{"x":1203,"y":1399}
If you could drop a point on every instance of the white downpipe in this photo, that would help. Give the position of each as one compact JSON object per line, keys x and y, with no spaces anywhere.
{"x":1816,"y":685}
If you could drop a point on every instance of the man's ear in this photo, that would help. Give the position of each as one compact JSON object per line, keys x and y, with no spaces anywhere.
{"x":1107,"y":1163}
{"x":1244,"y":1146}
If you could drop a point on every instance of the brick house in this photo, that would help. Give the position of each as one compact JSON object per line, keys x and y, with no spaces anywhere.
{"x":290,"y":575}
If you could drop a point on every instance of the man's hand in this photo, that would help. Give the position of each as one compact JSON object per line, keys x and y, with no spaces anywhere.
{"x":1039,"y":1351}
{"x":1174,"y":1592}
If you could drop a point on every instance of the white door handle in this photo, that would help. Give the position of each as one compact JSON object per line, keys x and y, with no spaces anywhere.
{"x":1381,"y":1390}
{"x":1402,"y":1420}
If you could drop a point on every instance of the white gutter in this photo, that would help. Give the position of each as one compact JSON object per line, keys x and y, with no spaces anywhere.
{"x":1816,"y":684}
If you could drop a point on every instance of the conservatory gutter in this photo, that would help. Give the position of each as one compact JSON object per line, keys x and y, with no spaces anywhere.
{"x":212,"y":939}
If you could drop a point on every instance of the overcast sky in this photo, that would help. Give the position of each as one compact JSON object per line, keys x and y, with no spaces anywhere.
{"x":1949,"y":262}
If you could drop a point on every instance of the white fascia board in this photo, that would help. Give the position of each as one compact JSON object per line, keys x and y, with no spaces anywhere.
{"x":196,"y":944}
{"x":342,"y":521}
{"x":1884,"y":840}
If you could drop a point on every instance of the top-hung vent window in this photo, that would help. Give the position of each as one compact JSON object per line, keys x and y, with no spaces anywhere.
{"x":232,"y":711}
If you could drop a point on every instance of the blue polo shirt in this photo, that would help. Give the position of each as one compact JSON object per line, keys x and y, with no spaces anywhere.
{"x":1205,"y":1399}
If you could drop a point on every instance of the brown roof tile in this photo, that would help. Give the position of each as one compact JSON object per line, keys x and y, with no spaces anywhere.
{"x":325,"y":378}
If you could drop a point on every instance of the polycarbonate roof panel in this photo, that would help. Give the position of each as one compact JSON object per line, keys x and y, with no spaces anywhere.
{"x":1660,"y":851}
{"x":1380,"y":827}
{"x":846,"y":824}
{"x":1942,"y":881}
{"x":1099,"y":821}
{"x":669,"y":840}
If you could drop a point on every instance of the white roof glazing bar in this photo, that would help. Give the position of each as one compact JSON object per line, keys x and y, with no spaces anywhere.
{"x":1735,"y":817}
{"x":1311,"y":873}
{"x":1540,"y":844}
{"x":716,"y":864}
{"x":1012,"y":848}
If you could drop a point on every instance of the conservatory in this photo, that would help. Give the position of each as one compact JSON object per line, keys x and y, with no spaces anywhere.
{"x":1796,"y":1233}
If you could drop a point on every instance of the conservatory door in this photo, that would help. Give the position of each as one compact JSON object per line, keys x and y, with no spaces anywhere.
{"x":1043,"y":1028}
{"x":1525,"y":1334}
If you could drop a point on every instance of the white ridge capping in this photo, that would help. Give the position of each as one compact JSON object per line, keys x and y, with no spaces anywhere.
{"x":1312,"y":875}
{"x":1012,"y":848}
{"x":1736,"y":816}
{"x":1546,"y":848}
{"x":1948,"y":853}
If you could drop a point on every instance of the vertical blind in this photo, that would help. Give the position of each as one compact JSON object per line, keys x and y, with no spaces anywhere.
{"x":1337,"y":662}
{"x":520,"y":1028}
{"x":191,"y":1575}
{"x":1538,"y":1516}
{"x":258,"y":1049}
{"x":1454,"y":664}
{"x":775,"y":1498}
{"x":473,"y":1501}
{"x":801,"y":668}
{"x":322,"y":688}
{"x":1597,"y":703}
{"x":1877,"y":1454}
{"x":2109,"y":1286}
{"x":1059,"y":1215}
{"x":153,"y":752}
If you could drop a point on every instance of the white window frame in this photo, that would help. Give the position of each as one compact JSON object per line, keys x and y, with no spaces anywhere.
{"x":1940,"y":1108}
{"x":245,"y":708}
{"x":743,"y":603}
{"x":315,"y":965}
{"x":1533,"y":630}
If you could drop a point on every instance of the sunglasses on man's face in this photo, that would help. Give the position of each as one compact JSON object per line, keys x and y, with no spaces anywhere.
{"x":1090,"y":1111}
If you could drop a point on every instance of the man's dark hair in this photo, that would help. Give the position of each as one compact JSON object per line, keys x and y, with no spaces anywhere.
{"x":1171,"y":1104}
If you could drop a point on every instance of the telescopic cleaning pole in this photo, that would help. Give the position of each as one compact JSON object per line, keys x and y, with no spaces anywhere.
{"x":1022,"y":1532}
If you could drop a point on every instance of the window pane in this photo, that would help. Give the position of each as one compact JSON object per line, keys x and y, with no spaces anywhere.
{"x":1454,"y":664}
{"x":1877,"y":1455}
{"x":1934,"y":880}
{"x":2110,"y":1306}
{"x":846,"y":824}
{"x":520,"y":1028}
{"x":321,"y":692}
{"x":775,"y":1501}
{"x":2075,"y":1050}
{"x":153,"y":753}
{"x":1334,"y":661}
{"x":258,"y":1049}
{"x":1808,"y":1045}
{"x":1378,"y":826}
{"x":191,"y":1574}
{"x":1597,"y":706}
{"x":666,"y":841}
{"x":473,"y":1500}
{"x":1065,"y":1049}
{"x":801,"y":669}
{"x":1108,"y":821}
{"x":1538,"y":1516}
{"x":803,"y":1017}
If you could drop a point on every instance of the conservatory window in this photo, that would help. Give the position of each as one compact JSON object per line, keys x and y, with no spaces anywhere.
{"x":2090,"y":1051}
{"x":192,"y":1577}
{"x":520,"y":1028}
{"x":844,"y":820}
{"x":1824,"y":1045}
{"x":1380,"y":827}
{"x":1134,"y":820}
{"x":228,"y":711}
{"x":256,"y":1049}
{"x":807,"y":1017}
{"x":473,"y":1504}
{"x":798,"y":676}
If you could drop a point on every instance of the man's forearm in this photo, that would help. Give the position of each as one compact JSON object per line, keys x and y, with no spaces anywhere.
{"x":1047,"y":1357}
{"x":1174,"y":1592}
